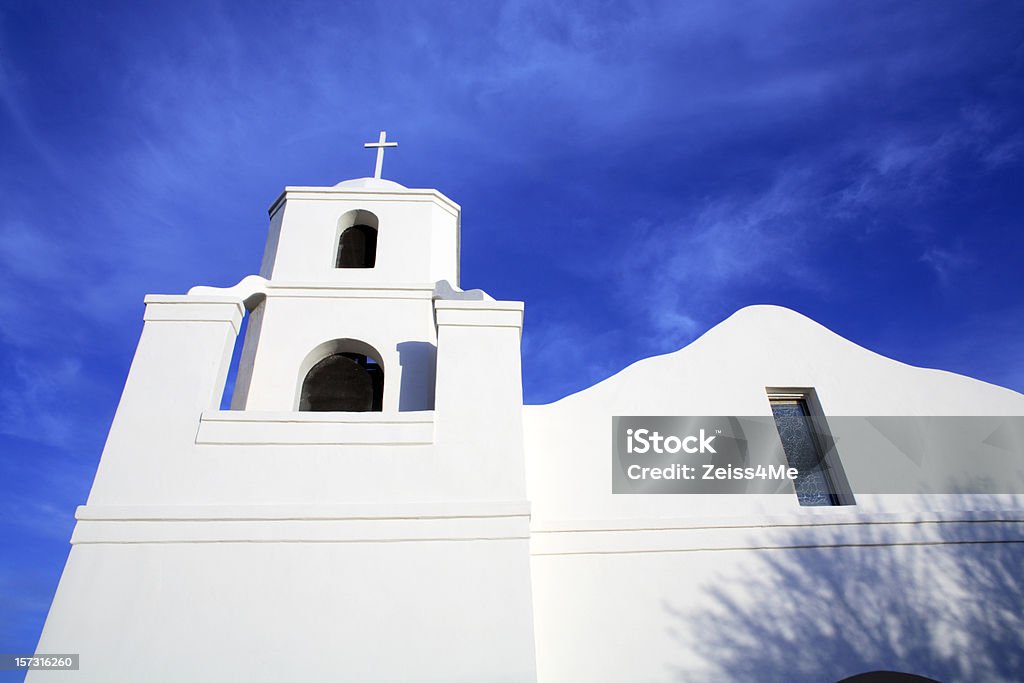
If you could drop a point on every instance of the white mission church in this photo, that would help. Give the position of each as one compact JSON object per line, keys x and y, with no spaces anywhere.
{"x":379,"y":505}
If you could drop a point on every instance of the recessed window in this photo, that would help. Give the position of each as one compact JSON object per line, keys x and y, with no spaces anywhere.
{"x":343,"y":382}
{"x":820,"y":480}
{"x":357,"y":247}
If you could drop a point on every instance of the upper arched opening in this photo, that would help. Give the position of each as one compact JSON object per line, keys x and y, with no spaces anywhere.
{"x":357,"y":240}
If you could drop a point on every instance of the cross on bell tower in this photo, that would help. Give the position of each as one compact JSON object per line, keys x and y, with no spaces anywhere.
{"x":380,"y":145}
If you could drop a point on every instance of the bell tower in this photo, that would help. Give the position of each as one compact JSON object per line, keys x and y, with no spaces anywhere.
{"x":359,"y":513}
{"x":352,"y":265}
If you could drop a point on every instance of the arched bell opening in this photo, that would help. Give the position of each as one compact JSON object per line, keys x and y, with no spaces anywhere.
{"x":344,"y":375}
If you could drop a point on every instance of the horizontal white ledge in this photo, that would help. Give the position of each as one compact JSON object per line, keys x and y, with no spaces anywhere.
{"x":487,"y":522}
{"x":308,"y":531}
{"x":301,"y":192}
{"x":368,"y":289}
{"x":185,"y":309}
{"x":884,"y":530}
{"x":253,"y":428}
{"x":340,"y":511}
{"x":473,"y":305}
{"x":459,"y":313}
{"x":186,"y":300}
{"x":389,"y":285}
{"x":810,"y":517}
{"x":411,"y":417}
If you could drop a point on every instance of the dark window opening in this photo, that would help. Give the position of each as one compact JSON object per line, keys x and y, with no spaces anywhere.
{"x":357,"y":247}
{"x":887,"y":677}
{"x":814,"y":485}
{"x":343,"y":382}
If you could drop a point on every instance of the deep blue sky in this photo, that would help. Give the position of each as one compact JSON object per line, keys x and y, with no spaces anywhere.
{"x":635,"y":172}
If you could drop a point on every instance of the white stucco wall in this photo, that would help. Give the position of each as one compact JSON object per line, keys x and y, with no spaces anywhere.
{"x":754,"y":587}
{"x":291,"y":607}
{"x":937,"y":599}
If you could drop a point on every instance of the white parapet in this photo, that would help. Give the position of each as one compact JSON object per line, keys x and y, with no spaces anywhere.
{"x":178,"y":371}
{"x":479,"y":394}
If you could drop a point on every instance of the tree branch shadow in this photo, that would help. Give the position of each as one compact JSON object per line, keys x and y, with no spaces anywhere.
{"x":950,"y":608}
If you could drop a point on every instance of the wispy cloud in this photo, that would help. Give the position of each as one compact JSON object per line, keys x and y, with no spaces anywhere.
{"x":565,"y":357}
{"x":947,"y":262}
{"x":11,"y":84}
{"x":685,"y":267}
{"x":33,"y":399}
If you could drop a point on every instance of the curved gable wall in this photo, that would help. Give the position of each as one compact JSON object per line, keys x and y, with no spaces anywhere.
{"x":726,"y":372}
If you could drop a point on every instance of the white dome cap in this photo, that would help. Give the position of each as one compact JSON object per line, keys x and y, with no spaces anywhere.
{"x":369,"y":184}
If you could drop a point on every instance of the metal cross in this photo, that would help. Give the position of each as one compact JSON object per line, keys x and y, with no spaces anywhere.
{"x":380,"y":145}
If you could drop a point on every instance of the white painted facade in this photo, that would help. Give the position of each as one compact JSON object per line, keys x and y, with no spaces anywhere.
{"x":457,"y":535}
